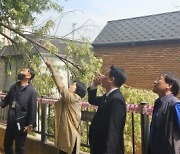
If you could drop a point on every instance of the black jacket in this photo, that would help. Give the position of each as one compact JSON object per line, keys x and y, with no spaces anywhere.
{"x":164,"y":133}
{"x":106,"y":130}
{"x":26,"y":104}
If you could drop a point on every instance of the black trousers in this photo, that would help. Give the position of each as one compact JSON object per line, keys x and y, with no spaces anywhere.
{"x":11,"y":135}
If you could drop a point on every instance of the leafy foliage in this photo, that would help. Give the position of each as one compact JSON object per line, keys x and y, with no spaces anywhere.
{"x":82,"y":55}
{"x":21,"y":12}
{"x":18,"y":15}
{"x":135,"y":96}
{"x":43,"y":82}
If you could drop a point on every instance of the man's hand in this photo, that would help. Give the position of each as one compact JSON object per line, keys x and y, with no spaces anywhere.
{"x":98,"y":80}
{"x":28,"y":128}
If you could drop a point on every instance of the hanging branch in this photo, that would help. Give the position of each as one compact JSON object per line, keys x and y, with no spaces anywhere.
{"x":12,"y":41}
{"x":69,"y":68}
{"x":17,"y":46}
{"x":8,"y":38}
{"x":38,"y":44}
{"x":62,"y":59}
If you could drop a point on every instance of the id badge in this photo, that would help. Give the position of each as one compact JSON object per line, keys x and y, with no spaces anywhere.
{"x":18,"y":126}
{"x":13,"y":104}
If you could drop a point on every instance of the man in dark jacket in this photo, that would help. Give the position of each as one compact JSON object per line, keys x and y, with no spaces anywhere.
{"x":107,"y":127}
{"x":165,"y":126}
{"x":22,"y":102}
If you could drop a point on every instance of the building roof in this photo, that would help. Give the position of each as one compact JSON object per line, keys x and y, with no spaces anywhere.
{"x":9,"y":50}
{"x":159,"y":28}
{"x":61,"y":45}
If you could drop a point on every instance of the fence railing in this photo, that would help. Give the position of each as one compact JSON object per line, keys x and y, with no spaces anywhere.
{"x":45,"y":120}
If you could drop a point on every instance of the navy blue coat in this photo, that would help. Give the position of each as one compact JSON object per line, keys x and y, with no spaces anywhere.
{"x":164,"y":132}
{"x":26,"y":105}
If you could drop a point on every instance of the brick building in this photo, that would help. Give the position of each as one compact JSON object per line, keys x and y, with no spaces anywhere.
{"x":144,"y":46}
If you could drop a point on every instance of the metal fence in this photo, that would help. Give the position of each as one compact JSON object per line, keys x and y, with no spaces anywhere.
{"x":45,"y":121}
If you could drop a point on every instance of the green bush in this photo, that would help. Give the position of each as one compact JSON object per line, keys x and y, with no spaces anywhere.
{"x":135,"y":96}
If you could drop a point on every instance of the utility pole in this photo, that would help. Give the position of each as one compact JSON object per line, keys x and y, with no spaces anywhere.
{"x":73,"y":30}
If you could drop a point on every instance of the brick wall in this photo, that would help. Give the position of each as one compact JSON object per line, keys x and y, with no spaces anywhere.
{"x":142,"y":63}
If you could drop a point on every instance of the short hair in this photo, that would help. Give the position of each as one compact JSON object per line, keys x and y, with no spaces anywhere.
{"x":80,"y":89}
{"x":119,"y":75}
{"x":171,"y":79}
{"x":31,"y":71}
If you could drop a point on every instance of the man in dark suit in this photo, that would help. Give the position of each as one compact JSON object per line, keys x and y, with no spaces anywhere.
{"x":107,"y":127}
{"x":22,"y":102}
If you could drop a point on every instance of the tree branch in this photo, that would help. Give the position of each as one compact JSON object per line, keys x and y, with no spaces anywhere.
{"x":61,"y":16}
{"x":14,"y":42}
{"x":8,"y":38}
{"x":38,"y":44}
{"x":17,"y":46}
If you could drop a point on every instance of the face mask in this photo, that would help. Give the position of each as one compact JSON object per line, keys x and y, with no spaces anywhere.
{"x":21,"y":76}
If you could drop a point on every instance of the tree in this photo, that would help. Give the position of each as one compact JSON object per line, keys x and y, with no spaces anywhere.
{"x":83,"y":55}
{"x":21,"y":13}
{"x":18,"y":15}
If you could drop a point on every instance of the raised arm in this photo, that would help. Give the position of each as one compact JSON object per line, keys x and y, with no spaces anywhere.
{"x":59,"y":83}
{"x":92,"y":90}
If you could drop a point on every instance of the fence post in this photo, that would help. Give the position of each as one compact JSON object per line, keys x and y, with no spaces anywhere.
{"x":144,"y":127}
{"x":43,"y":120}
{"x":133,"y":137}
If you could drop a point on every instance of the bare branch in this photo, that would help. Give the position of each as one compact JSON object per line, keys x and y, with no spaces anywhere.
{"x":61,"y":16}
{"x":41,"y":23}
{"x":8,"y":37}
{"x":76,"y":29}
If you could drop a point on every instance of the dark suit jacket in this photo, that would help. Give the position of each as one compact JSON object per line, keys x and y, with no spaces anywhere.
{"x":106,"y":131}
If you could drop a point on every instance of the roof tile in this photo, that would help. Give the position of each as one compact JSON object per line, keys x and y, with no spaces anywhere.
{"x":161,"y":27}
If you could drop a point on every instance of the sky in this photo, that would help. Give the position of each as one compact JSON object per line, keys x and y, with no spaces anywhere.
{"x":96,"y":13}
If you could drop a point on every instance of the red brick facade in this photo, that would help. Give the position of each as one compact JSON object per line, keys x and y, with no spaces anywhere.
{"x":142,"y":63}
